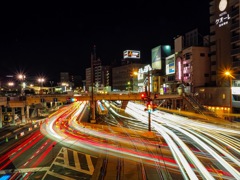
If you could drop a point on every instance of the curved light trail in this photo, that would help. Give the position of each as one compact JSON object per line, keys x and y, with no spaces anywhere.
{"x":64,"y":127}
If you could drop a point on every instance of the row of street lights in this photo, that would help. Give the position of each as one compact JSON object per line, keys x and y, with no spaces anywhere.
{"x":22,"y":79}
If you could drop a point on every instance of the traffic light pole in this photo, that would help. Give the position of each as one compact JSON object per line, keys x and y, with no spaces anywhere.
{"x":149,"y":99}
{"x":149,"y":121}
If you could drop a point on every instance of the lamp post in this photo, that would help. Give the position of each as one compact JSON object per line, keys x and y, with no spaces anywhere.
{"x":129,"y":86}
{"x":22,"y":78}
{"x":10,"y":85}
{"x":93,"y":120}
{"x":51,"y":83}
{"x":41,"y":81}
{"x":230,"y":76}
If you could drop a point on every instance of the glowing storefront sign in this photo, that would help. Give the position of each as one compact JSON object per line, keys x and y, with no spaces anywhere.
{"x":224,"y":17}
{"x":131,"y":54}
{"x":170,"y":64}
{"x":143,"y":71}
{"x":179,"y":70}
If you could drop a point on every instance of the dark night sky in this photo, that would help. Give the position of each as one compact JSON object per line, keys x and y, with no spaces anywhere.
{"x":47,"y":38}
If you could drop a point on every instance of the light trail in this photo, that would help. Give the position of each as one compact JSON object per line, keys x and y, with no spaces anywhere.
{"x":77,"y":135}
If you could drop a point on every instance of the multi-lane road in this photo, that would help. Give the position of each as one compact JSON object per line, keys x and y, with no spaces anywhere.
{"x":120,"y":146}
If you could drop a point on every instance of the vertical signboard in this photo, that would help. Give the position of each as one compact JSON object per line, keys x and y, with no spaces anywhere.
{"x":156,"y":58}
{"x":223,"y":16}
{"x":170,"y":64}
{"x":179,"y":69}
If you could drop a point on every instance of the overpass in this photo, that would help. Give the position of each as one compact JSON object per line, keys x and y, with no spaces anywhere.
{"x":25,"y":102}
{"x":63,"y":98}
{"x":34,"y":99}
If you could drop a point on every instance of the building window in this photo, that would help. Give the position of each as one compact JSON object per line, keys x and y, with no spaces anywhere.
{"x":224,"y":96}
{"x":213,"y":72}
{"x":213,"y":63}
{"x":204,"y":96}
{"x":236,"y":97}
{"x":187,"y":56}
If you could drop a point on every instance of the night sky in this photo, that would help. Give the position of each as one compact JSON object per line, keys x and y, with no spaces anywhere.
{"x":48,"y":38}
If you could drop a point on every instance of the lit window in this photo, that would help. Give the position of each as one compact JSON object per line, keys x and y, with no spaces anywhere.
{"x":224,"y":96}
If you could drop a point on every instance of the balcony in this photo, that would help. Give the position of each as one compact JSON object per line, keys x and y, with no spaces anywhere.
{"x":235,"y":38}
{"x":235,"y":25}
{"x":234,"y":12}
{"x":235,"y":2}
{"x":235,"y":51}
{"x":212,"y":19}
{"x":211,"y":10}
{"x":213,"y":48}
{"x":236,"y":64}
{"x":212,"y":38}
{"x":212,"y":29}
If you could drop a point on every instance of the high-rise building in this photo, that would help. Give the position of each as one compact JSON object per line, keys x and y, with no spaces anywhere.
{"x":101,"y":74}
{"x":224,"y":93}
{"x":88,"y":81}
{"x":64,"y":77}
{"x":224,"y":38}
{"x":106,"y":76}
{"x":77,"y":81}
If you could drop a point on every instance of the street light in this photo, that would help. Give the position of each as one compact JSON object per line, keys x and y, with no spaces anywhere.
{"x":129,"y":86}
{"x":22,"y":78}
{"x":10,"y":85}
{"x":51,"y":82}
{"x":41,"y":81}
{"x":230,"y":76}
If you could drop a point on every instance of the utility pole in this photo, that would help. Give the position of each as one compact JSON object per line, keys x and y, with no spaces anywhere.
{"x":93,"y":120}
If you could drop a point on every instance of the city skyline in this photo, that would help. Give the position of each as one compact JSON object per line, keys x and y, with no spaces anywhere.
{"x":39,"y":39}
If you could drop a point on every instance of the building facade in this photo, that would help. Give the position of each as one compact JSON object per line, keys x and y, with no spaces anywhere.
{"x":101,"y":74}
{"x":223,"y":96}
{"x":123,"y":77}
{"x":64,"y":77}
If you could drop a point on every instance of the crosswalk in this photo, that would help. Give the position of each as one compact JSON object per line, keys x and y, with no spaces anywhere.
{"x":70,"y":164}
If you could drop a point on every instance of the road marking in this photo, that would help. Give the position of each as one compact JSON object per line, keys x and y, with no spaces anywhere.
{"x":76,"y":159}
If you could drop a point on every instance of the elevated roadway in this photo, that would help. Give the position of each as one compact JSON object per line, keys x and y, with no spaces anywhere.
{"x":63,"y":98}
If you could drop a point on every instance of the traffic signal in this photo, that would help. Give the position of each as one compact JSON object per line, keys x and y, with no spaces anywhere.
{"x":155,"y":96}
{"x":73,"y":100}
{"x":149,"y":107}
{"x":143,"y":96}
{"x":154,"y":107}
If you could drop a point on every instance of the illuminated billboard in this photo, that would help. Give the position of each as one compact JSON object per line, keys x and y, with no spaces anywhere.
{"x":156,"y":58}
{"x":170,"y":64}
{"x":131,"y":54}
{"x":159,"y":54}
